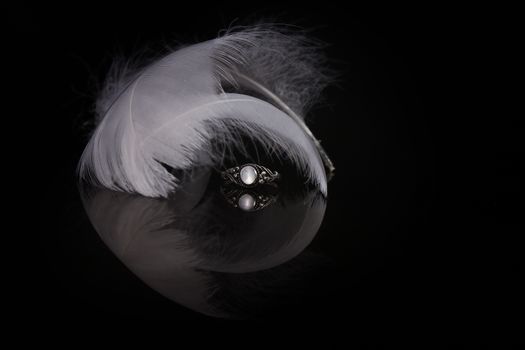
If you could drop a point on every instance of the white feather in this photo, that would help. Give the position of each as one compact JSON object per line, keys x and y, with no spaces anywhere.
{"x":163,"y":113}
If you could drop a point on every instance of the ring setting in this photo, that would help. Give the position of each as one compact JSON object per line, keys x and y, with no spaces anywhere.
{"x":250,"y":175}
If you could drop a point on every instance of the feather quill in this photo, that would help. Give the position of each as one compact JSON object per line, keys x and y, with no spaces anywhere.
{"x":167,"y":112}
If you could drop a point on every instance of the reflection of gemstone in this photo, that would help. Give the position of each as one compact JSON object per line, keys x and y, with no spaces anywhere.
{"x":248,"y":175}
{"x":246,"y":202}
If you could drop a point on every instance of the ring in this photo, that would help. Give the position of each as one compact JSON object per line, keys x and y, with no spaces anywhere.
{"x":250,"y":175}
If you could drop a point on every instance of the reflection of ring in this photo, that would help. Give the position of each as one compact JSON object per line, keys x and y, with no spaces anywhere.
{"x":247,"y":200}
{"x":249,"y":175}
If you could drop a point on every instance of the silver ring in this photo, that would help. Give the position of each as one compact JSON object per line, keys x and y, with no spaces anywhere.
{"x":250,"y":175}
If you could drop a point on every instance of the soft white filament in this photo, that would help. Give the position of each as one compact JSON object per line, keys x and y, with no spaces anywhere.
{"x":164,"y":112}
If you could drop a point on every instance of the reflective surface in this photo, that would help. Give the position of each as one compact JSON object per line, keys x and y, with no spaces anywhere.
{"x":201,"y":251}
{"x":424,"y":191}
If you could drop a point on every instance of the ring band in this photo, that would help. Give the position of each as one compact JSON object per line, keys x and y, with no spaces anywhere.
{"x":250,"y":175}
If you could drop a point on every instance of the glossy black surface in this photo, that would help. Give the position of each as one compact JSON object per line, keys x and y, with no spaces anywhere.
{"x":424,"y":218}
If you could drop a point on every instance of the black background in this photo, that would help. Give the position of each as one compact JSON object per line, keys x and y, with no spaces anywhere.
{"x":424,"y":213}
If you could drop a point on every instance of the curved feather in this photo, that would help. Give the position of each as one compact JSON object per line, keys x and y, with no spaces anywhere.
{"x":163,"y":115}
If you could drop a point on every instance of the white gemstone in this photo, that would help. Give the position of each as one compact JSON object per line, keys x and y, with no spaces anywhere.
{"x":248,"y":175}
{"x":246,"y":202}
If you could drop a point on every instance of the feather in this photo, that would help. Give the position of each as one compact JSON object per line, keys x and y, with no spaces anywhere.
{"x":167,"y":112}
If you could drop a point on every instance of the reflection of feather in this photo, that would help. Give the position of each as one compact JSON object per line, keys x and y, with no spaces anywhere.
{"x":206,"y":256}
{"x":163,"y":114}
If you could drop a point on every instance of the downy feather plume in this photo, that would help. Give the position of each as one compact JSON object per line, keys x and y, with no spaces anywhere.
{"x":167,"y":112}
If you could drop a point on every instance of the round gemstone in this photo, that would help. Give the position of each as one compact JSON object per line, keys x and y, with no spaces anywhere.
{"x":246,"y":202}
{"x":248,"y":175}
